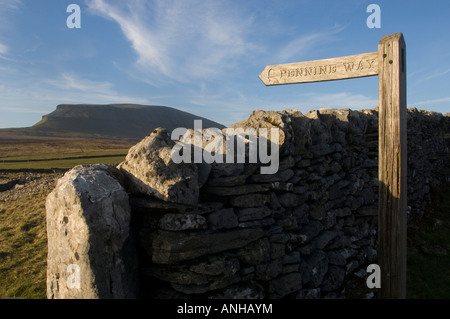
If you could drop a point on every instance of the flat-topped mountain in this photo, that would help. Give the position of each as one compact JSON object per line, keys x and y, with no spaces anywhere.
{"x":129,"y":122}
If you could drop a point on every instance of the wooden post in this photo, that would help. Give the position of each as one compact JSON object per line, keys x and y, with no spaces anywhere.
{"x":389,"y":63}
{"x":392,"y":166}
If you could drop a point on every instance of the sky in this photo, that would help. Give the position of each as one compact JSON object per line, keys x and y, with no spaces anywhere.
{"x":204,"y":56}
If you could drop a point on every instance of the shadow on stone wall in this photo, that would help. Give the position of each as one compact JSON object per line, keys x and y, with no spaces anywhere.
{"x":307,"y":231}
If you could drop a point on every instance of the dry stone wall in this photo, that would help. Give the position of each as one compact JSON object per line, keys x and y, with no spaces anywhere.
{"x":307,"y":231}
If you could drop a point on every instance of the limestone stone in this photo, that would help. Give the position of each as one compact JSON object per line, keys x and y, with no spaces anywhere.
{"x":269,"y":270}
{"x":253,"y":213}
{"x":227,"y":181}
{"x":314,"y":268}
{"x":172,"y":247}
{"x":179,"y":222}
{"x":215,"y":266}
{"x":250,"y":200}
{"x":237,"y":190}
{"x":289,"y":199}
{"x":291,"y":258}
{"x":324,"y":238}
{"x":90,"y":251}
{"x":255,"y":253}
{"x":257,"y":223}
{"x":224,"y":218}
{"x":280,"y":176}
{"x":247,"y":290}
{"x":209,"y":274}
{"x":148,"y":169}
{"x":311,"y":230}
{"x":284,"y":285}
{"x":333,"y":279}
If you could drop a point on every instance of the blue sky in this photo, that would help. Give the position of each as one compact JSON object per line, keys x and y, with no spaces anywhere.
{"x":204,"y":56}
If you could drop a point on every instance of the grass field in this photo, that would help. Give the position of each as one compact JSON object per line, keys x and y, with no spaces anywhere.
{"x":23,"y":247}
{"x":63,"y":153}
{"x":67,"y":160}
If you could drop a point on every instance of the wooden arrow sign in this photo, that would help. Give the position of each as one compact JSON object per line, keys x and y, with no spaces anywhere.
{"x":389,"y":63}
{"x":353,"y":66}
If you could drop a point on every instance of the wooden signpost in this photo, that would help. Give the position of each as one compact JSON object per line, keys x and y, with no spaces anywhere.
{"x":389,"y":63}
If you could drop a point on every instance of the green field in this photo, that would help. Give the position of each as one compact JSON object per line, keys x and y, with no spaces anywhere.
{"x":66,"y":160}
{"x":23,"y":248}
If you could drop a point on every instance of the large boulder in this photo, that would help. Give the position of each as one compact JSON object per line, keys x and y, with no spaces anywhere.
{"x":148,"y":169}
{"x":90,"y":250}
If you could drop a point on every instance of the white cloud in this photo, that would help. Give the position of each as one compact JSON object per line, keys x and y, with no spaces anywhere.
{"x":435,"y":101}
{"x":182,"y":40}
{"x":5,"y":8}
{"x":11,"y":4}
{"x":301,"y":45}
{"x":3,"y":48}
{"x":343,"y":99}
{"x":82,"y":90}
{"x":434,"y":75}
{"x":68,"y":88}
{"x":69,"y":81}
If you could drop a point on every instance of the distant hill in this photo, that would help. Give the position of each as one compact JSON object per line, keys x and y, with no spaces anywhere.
{"x":130,"y":122}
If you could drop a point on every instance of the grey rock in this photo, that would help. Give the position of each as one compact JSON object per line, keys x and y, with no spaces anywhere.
{"x":246,"y":270}
{"x":317,"y":212}
{"x":250,"y":200}
{"x":214,"y":283}
{"x":172,"y":247}
{"x":352,"y":266}
{"x":257,"y":223}
{"x":88,"y":227}
{"x":303,"y":163}
{"x":269,"y":270}
{"x":289,"y":200}
{"x":301,"y":213}
{"x":227,"y":169}
{"x":281,"y":238}
{"x":287,"y":162}
{"x":336,"y":190}
{"x":227,"y":181}
{"x":237,"y":190}
{"x":291,"y":258}
{"x":288,"y":268}
{"x":255,"y":253}
{"x":281,"y":186}
{"x":333,"y":279}
{"x":277,"y":250}
{"x":336,"y":258}
{"x":311,"y":230}
{"x":285,"y":285}
{"x":280,"y":176}
{"x":253,"y":213}
{"x":148,"y":169}
{"x":314,"y":268}
{"x":224,"y":218}
{"x":330,"y":220}
{"x":178,"y":222}
{"x":215,"y":266}
{"x":311,"y":293}
{"x":154,"y":204}
{"x":247,"y":290}
{"x":203,"y":170}
{"x":323,"y":239}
